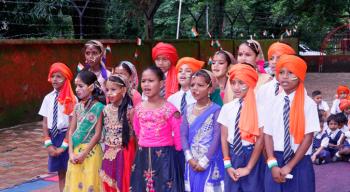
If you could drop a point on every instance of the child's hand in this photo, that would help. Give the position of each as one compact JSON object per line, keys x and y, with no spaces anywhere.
{"x":285,"y":170}
{"x":51,"y":150}
{"x":193,"y":163}
{"x":241,"y":172}
{"x":199,"y":168}
{"x":313,"y":158}
{"x":59,"y":151}
{"x":72,"y":158}
{"x":80,"y":158}
{"x":232,"y":173}
{"x":276,"y":174}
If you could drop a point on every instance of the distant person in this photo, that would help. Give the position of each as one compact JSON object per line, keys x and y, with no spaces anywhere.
{"x":321,"y":104}
{"x":342,"y":93}
{"x":57,"y":110}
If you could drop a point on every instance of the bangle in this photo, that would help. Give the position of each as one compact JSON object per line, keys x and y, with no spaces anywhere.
{"x":188,"y":155}
{"x":47,"y":142}
{"x":227,"y":158}
{"x":227,"y":164}
{"x":64,"y":144}
{"x":272,"y":162}
{"x":204,"y":162}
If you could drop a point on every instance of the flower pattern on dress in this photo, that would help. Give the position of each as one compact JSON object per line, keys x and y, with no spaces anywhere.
{"x":198,"y":148}
{"x":148,"y":175}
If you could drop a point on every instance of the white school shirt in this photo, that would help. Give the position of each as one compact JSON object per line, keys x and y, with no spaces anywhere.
{"x":274,"y":124}
{"x":46,"y":110}
{"x":335,"y":107}
{"x":176,"y":98}
{"x":265,"y":96}
{"x":346,"y":133}
{"x":332,"y":134}
{"x":227,"y":118}
{"x":324,"y":106}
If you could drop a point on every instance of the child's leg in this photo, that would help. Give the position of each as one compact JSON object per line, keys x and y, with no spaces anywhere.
{"x":324,"y":155}
{"x":62,"y":179}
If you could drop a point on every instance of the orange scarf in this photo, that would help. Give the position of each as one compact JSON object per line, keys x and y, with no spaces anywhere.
{"x":278,"y":49}
{"x":66,"y":96}
{"x":341,"y":89}
{"x":248,"y":122}
{"x":344,"y":104}
{"x":166,"y":49}
{"x":297,"y":114}
{"x":193,"y":63}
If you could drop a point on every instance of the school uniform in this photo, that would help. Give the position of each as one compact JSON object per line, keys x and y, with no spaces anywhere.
{"x":318,"y":137}
{"x":177,"y":98}
{"x":255,"y":180}
{"x":332,"y":137}
{"x":335,"y":107}
{"x":303,"y":173}
{"x":47,"y":110}
{"x":323,"y":106}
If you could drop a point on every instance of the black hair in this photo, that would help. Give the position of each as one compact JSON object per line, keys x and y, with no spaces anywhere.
{"x":332,"y":117}
{"x":341,"y":118}
{"x":320,"y":115}
{"x":125,"y":66}
{"x":157,"y":71}
{"x":90,"y":78}
{"x":227,"y":57}
{"x":92,"y":42}
{"x":252,"y":45}
{"x":205,"y":75}
{"x":123,"y":110}
{"x":315,"y":93}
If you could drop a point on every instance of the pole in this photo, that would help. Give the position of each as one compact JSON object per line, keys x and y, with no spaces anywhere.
{"x":178,"y":20}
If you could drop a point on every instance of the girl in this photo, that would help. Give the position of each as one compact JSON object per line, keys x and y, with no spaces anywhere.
{"x":185,"y":67}
{"x":241,"y":138}
{"x":157,"y":126}
{"x":117,"y":135}
{"x":85,"y":154}
{"x":94,"y":58}
{"x":200,"y":138}
{"x":248,"y":52}
{"x":165,"y":57}
{"x":128,"y":71}
{"x":56,"y":110}
{"x":289,"y":129}
{"x":222,"y":61}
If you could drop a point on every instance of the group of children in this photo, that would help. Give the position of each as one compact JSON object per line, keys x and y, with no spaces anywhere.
{"x":234,"y":128}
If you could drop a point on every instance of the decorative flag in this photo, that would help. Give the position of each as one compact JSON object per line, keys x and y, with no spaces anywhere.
{"x":217,"y":44}
{"x":212,"y":43}
{"x":138,"y":41}
{"x":210,"y":61}
{"x":136,"y":54}
{"x":273,"y":36}
{"x":194,"y":32}
{"x":209,"y":34}
{"x":288,"y":32}
{"x":108,"y":49}
{"x":241,"y":34}
{"x":265,"y":33}
{"x":80,"y":66}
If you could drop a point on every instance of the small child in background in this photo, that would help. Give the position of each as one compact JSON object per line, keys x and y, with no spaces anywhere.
{"x":319,"y":135}
{"x":330,"y":144}
{"x":342,"y":93}
{"x":344,"y":151}
{"x":317,"y":97}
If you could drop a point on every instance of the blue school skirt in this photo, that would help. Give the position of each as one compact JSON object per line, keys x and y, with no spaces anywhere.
{"x":250,"y":183}
{"x":157,"y":168}
{"x":60,"y":162}
{"x":303,"y":177}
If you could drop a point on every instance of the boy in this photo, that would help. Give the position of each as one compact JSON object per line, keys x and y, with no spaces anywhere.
{"x":288,"y":131}
{"x":321,"y":105}
{"x":56,"y":109}
{"x":342,"y":93}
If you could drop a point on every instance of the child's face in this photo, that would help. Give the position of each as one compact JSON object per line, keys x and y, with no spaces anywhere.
{"x":57,"y":80}
{"x":288,"y":80}
{"x":333,"y":125}
{"x":246,"y":55}
{"x":184,"y":75}
{"x":273,"y":61}
{"x":342,"y":95}
{"x":122,"y":72}
{"x":199,"y":88}
{"x":83,"y":90}
{"x":92,"y":55}
{"x":318,"y":99}
{"x":114,"y":92}
{"x":347,"y":111}
{"x":219,"y":66}
{"x":150,"y":83}
{"x":163,"y":62}
{"x":239,"y":88}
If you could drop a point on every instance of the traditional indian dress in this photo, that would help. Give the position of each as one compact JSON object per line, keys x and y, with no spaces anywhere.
{"x":156,"y":167}
{"x":201,"y":139}
{"x":84,"y":176}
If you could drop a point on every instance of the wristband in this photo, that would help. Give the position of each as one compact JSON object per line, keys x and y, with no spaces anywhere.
{"x":188,"y":155}
{"x":272,"y":162}
{"x":204,"y":162}
{"x":64,"y":144}
{"x":47,"y":142}
{"x":227,"y":164}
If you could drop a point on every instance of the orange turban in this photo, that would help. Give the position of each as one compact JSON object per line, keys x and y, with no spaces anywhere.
{"x":280,"y":49}
{"x":166,"y":49}
{"x":193,"y":63}
{"x":66,"y":96}
{"x":342,"y":88}
{"x":248,"y":122}
{"x":344,"y":104}
{"x":297,"y":114}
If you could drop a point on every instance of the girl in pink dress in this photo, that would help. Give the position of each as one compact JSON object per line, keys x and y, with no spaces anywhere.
{"x":157,"y":127}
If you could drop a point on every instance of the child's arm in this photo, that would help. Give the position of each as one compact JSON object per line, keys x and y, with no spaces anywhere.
{"x":318,"y":151}
{"x":94,"y":140}
{"x":299,"y":154}
{"x":175,"y":122}
{"x":50,"y":148}
{"x":276,"y":171}
{"x":72,"y":127}
{"x":258,"y":147}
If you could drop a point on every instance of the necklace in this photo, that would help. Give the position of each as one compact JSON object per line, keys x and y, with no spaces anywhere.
{"x":203,"y":107}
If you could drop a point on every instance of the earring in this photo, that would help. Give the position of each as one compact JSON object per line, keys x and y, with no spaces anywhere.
{"x":209,"y":95}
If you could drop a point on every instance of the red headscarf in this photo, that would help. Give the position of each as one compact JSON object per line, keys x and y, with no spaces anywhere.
{"x":342,"y":88}
{"x":193,"y":63}
{"x":297,"y":114}
{"x":66,"y":95}
{"x":280,"y":49}
{"x":248,"y":123}
{"x":171,"y":84}
{"x":344,"y":104}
